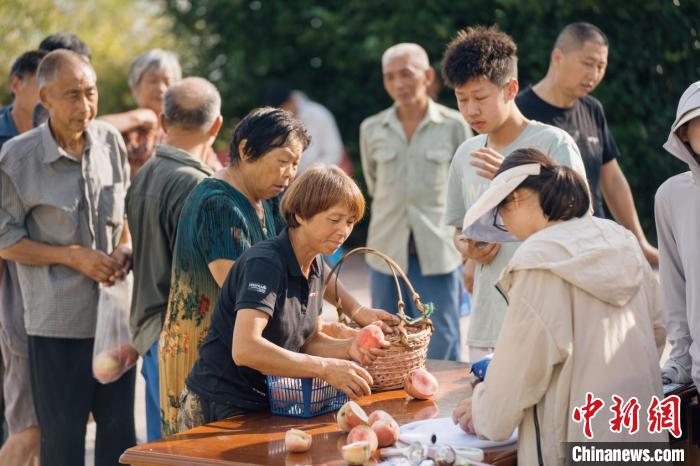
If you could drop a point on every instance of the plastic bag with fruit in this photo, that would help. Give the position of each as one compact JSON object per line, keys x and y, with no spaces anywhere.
{"x":113,"y":353}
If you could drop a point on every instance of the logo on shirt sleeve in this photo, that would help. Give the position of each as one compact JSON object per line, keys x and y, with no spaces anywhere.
{"x":257,"y":287}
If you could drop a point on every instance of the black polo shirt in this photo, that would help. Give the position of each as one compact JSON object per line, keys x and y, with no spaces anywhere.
{"x":266,"y":277}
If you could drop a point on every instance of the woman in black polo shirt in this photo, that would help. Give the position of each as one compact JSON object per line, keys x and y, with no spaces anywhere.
{"x":267,"y":318}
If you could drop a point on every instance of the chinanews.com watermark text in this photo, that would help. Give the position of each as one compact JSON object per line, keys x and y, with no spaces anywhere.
{"x":661,"y":415}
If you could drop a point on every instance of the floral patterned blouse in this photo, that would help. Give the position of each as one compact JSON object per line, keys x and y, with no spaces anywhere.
{"x":217,"y":222}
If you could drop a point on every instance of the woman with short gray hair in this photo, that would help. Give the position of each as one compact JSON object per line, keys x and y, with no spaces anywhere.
{"x":150,"y":75}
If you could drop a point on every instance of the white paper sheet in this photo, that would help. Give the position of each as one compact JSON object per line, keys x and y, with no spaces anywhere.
{"x":447,"y":432}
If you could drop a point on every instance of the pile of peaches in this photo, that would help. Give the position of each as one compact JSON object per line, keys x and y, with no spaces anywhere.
{"x":366,"y":432}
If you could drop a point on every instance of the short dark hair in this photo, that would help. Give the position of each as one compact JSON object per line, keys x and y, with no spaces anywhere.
{"x":264,"y":129}
{"x":277,"y":93}
{"x":563,"y":192}
{"x":574,"y":35}
{"x":316,"y":190}
{"x":26,"y":64}
{"x":68,"y":41}
{"x":480,"y":52}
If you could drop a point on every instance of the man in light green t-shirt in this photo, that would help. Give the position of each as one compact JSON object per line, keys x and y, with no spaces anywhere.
{"x":481,"y":65}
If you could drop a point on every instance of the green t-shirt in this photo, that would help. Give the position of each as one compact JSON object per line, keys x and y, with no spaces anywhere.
{"x":464,"y":187}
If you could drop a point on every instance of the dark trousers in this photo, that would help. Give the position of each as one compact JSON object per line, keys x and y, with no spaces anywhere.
{"x":65,"y":392}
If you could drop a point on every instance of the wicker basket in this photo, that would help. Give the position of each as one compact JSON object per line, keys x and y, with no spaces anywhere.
{"x":408,"y":348}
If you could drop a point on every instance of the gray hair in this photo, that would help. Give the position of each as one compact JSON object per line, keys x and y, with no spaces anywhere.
{"x":417,"y":53}
{"x":54,"y":61}
{"x":154,"y":59}
{"x":193,"y":103}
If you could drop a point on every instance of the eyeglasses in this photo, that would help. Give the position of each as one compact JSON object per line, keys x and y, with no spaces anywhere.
{"x":498,"y":221}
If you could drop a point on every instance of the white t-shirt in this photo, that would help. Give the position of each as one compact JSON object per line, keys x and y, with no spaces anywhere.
{"x":464,"y":187}
{"x":326,"y":146}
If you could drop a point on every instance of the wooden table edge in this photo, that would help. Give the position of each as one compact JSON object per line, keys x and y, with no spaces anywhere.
{"x":137,"y":458}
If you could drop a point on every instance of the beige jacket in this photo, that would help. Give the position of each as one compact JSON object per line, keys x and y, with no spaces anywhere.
{"x":583,"y":316}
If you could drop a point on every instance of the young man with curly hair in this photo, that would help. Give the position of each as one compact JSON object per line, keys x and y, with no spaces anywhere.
{"x":480,"y":64}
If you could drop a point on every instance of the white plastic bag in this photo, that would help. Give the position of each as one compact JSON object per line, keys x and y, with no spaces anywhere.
{"x":113,"y":352}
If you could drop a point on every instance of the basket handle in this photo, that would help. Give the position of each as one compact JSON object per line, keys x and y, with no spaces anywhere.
{"x":395,"y":269}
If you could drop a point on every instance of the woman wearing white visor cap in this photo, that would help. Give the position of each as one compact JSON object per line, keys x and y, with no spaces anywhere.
{"x":583,"y":316}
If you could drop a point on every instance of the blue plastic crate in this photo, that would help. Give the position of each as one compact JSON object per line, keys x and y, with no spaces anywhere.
{"x":305,"y":397}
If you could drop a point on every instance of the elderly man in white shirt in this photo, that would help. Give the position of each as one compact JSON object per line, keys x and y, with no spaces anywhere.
{"x":406,"y":152}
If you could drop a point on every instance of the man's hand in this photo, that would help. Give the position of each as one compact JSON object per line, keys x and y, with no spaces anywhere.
{"x":366,"y":316}
{"x":469,"y":267}
{"x":462,"y":415}
{"x":480,"y":251}
{"x":488,"y":161}
{"x":347,"y":377}
{"x":122,"y":254}
{"x":94,"y":264}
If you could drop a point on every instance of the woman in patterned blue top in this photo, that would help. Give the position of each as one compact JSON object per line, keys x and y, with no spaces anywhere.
{"x":223,"y":216}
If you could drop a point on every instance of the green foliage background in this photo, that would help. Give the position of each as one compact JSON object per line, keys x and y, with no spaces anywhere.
{"x":331,"y":50}
{"x":116,"y":31}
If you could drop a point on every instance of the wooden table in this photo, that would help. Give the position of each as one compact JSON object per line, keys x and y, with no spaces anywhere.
{"x":258,"y":438}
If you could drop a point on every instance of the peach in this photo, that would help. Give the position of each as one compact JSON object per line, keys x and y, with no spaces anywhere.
{"x":342,"y":419}
{"x":297,"y":441}
{"x":357,"y":453}
{"x":105,"y":367}
{"x":376,"y":415}
{"x":351,"y":415}
{"x":364,"y":433}
{"x":371,"y":336}
{"x":387,"y":432}
{"x":421,"y":384}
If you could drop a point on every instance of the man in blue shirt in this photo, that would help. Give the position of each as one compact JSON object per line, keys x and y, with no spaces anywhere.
{"x":23,"y":434}
{"x":16,"y":118}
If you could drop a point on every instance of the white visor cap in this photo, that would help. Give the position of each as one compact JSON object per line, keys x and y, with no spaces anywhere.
{"x":478,"y":223}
